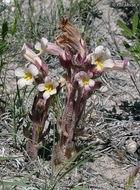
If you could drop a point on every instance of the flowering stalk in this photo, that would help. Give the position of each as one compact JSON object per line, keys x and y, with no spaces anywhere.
{"x":37,"y":73}
{"x":82,"y":70}
{"x":38,"y":117}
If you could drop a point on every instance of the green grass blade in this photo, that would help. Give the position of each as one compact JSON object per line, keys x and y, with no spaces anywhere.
{"x":4,"y":29}
{"x":100,"y":39}
{"x":15,"y":24}
{"x":6,"y":183}
{"x":66,"y":164}
{"x":132,"y":178}
{"x":135,"y":22}
{"x":75,"y":156}
{"x":2,"y":47}
{"x":82,"y":161}
{"x":126,"y":31}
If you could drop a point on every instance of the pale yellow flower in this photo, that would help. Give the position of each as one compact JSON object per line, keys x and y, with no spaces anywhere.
{"x":26,"y":75}
{"x":101,"y":58}
{"x":49,"y":87}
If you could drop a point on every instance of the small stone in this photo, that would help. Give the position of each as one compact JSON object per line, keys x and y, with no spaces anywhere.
{"x":93,"y":115}
{"x":94,"y":96}
{"x":118,"y":111}
{"x":103,"y":89}
{"x":131,"y":146}
{"x":112,"y":103}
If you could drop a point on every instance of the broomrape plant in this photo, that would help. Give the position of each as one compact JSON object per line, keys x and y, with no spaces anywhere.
{"x":82,"y":70}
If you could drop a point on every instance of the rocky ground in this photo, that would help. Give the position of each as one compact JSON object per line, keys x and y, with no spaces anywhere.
{"x":114,"y":121}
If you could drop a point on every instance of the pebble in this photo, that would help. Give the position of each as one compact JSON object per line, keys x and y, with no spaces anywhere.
{"x":103,"y":89}
{"x":93,"y":115}
{"x":131,"y":146}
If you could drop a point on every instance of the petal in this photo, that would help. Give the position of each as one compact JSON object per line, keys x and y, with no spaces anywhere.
{"x":21,"y":82}
{"x":119,"y":64}
{"x":82,"y":74}
{"x":28,"y":54}
{"x":29,"y":82}
{"x":80,"y":83}
{"x":53,"y":91}
{"x":99,"y":50}
{"x":44,"y":43}
{"x":91,"y":83}
{"x":41,"y":87}
{"x":38,"y":46}
{"x":87,"y":88}
{"x":108,"y":63}
{"x":36,"y":59}
{"x":47,"y":79}
{"x":105,"y":55}
{"x":46,"y":95}
{"x":19,"y":72}
{"x":55,"y":50}
{"x":33,"y":70}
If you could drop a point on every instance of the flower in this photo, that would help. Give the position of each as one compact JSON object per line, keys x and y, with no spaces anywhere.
{"x":50,"y":48}
{"x":41,"y":47}
{"x":54,"y":49}
{"x":49,"y":87}
{"x":28,"y":54}
{"x":100,"y":58}
{"x":26,"y":75}
{"x":121,"y":64}
{"x":84,"y":80}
